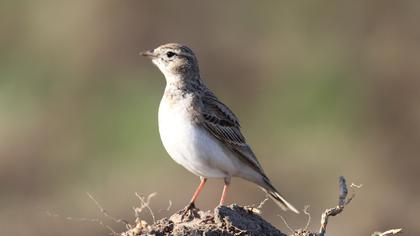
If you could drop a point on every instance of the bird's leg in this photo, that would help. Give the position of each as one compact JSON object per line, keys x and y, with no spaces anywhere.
{"x":191,"y":205}
{"x":224,"y":193}
{"x":222,"y":200}
{"x":198,"y":191}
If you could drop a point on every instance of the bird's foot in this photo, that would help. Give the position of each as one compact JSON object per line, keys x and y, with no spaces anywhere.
{"x":189,"y":212}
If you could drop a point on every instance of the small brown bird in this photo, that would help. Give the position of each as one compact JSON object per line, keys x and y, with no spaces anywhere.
{"x":199,"y":131}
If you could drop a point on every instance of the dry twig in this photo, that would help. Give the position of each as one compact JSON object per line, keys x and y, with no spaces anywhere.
{"x":84,"y":219}
{"x":256,"y":209}
{"x":94,"y":220}
{"x":106,"y":214}
{"x":287,"y":225}
{"x":305,"y":210}
{"x":342,"y":202}
{"x":145,"y":204}
{"x":168,"y":208}
{"x":388,"y":232}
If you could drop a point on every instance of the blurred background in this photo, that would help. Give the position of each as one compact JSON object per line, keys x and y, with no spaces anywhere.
{"x":322,"y":89}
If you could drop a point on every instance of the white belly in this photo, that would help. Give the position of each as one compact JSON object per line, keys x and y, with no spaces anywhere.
{"x":190,"y":145}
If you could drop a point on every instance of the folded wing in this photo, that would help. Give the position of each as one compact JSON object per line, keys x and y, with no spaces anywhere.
{"x":222,"y":123}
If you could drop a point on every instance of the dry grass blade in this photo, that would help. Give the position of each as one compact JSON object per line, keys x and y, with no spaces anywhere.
{"x":388,"y":232}
{"x":111,"y":231}
{"x":106,"y":214}
{"x":145,"y":204}
{"x":287,"y":225}
{"x":305,"y":210}
{"x":168,"y":208}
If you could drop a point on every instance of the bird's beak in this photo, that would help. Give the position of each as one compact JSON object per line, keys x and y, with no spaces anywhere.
{"x":148,"y":53}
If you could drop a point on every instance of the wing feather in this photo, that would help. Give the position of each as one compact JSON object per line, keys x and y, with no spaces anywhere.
{"x":223,"y":124}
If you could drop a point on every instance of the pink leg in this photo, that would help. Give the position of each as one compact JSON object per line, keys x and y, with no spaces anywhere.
{"x":198,"y":191}
{"x":189,"y":209}
{"x":224,"y":193}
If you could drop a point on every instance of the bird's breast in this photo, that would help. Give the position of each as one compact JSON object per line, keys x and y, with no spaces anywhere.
{"x":176,"y":127}
{"x":188,"y":143}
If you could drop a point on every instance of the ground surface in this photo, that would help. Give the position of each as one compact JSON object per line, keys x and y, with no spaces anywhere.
{"x":224,"y":220}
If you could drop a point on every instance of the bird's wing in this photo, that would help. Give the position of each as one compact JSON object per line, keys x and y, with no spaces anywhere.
{"x":222,"y":123}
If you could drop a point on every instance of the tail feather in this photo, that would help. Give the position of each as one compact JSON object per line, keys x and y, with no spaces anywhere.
{"x":277,"y":198}
{"x":281,"y":202}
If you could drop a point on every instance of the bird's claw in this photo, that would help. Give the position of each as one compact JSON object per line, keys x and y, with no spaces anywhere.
{"x":189,"y":211}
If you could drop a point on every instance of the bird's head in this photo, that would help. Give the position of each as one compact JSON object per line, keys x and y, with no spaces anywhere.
{"x":174,"y":60}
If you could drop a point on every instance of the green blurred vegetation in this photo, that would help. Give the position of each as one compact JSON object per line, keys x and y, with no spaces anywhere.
{"x":322,"y":89}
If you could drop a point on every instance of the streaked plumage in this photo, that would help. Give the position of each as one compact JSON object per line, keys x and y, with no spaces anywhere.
{"x":199,"y":131}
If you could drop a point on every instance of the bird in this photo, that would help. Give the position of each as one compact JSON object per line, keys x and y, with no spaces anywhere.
{"x":199,"y":131}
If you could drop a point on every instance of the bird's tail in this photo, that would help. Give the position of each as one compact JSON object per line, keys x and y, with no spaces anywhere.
{"x":277,"y":198}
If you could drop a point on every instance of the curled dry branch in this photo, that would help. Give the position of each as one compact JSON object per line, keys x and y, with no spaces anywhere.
{"x":342,"y":202}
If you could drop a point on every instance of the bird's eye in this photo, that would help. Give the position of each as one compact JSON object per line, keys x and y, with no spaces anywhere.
{"x":170,"y":54}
